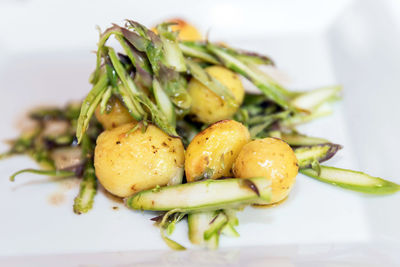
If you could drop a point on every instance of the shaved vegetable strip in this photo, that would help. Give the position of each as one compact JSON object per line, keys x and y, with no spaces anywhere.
{"x":353,"y":180}
{"x":88,"y":186}
{"x":270,"y":88}
{"x":202,"y":196}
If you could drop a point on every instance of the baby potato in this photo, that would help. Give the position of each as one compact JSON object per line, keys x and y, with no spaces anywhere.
{"x":207,"y":106}
{"x":187,"y":32}
{"x":127,"y":162}
{"x":117,"y":115}
{"x":272,"y":158}
{"x":213,"y":151}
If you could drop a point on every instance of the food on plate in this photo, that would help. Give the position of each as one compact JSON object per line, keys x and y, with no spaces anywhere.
{"x":130,"y":159}
{"x":217,"y":108}
{"x":168,"y":127}
{"x":186,"y":31}
{"x":271,"y":158}
{"x":114,"y":115}
{"x":211,"y":153}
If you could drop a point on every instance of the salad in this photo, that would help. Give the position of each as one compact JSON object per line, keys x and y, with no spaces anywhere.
{"x":169,"y":127}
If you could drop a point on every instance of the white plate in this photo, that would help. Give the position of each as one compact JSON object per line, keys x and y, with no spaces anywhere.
{"x":45,"y":58}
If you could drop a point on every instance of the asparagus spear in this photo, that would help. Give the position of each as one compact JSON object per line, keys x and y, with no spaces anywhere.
{"x":199,"y":50}
{"x":52,"y":173}
{"x":171,"y":81}
{"x":248,"y":57}
{"x":269,"y":87}
{"x":217,"y":223}
{"x":88,"y":186}
{"x":163,"y":103}
{"x":353,"y":180}
{"x":306,"y":155}
{"x":310,"y":100}
{"x":139,"y":60}
{"x":296,"y":139}
{"x":170,"y":226}
{"x":173,"y":56}
{"x":136,"y":96}
{"x":301,"y":118}
{"x":198,"y":223}
{"x":100,"y":51}
{"x":202,"y":196}
{"x":131,"y":92}
{"x":89,"y":105}
{"x":196,"y":50}
{"x":259,"y":124}
{"x":23,"y":144}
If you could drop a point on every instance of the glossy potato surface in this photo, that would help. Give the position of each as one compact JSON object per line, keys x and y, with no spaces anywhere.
{"x":271,"y":158}
{"x":213,"y":151}
{"x":207,"y":106}
{"x":116,"y":115}
{"x":128,"y":162}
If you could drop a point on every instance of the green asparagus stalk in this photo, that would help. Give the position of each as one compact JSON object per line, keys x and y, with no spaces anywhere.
{"x":89,"y":105}
{"x":88,"y":186}
{"x":132,"y":92}
{"x":171,"y":81}
{"x":173,"y":56}
{"x":142,"y":65}
{"x":137,"y":97}
{"x":269,"y":87}
{"x":259,"y":124}
{"x":164,"y":103}
{"x":178,"y":215}
{"x":217,"y":223}
{"x":202,"y":196}
{"x":301,"y":118}
{"x":353,"y":180}
{"x":104,"y":100}
{"x":306,"y":155}
{"x":100,"y":51}
{"x":296,"y":139}
{"x":52,"y":173}
{"x":311,"y":100}
{"x":198,"y":223}
{"x":229,"y":228}
{"x":196,"y":50}
{"x":87,"y":190}
{"x":248,"y":57}
{"x":23,"y":144}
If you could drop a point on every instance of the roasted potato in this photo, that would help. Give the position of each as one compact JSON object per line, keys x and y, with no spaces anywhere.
{"x":213,"y":151}
{"x":208,"y":107}
{"x":271,"y":158}
{"x":129,"y":161}
{"x":115,"y":115}
{"x":187,"y":32}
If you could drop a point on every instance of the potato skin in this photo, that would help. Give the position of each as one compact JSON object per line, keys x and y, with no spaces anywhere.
{"x":128,"y":163}
{"x":215,"y":148}
{"x":187,"y":32}
{"x":117,"y":115}
{"x":272,"y":158}
{"x":207,"y":106}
